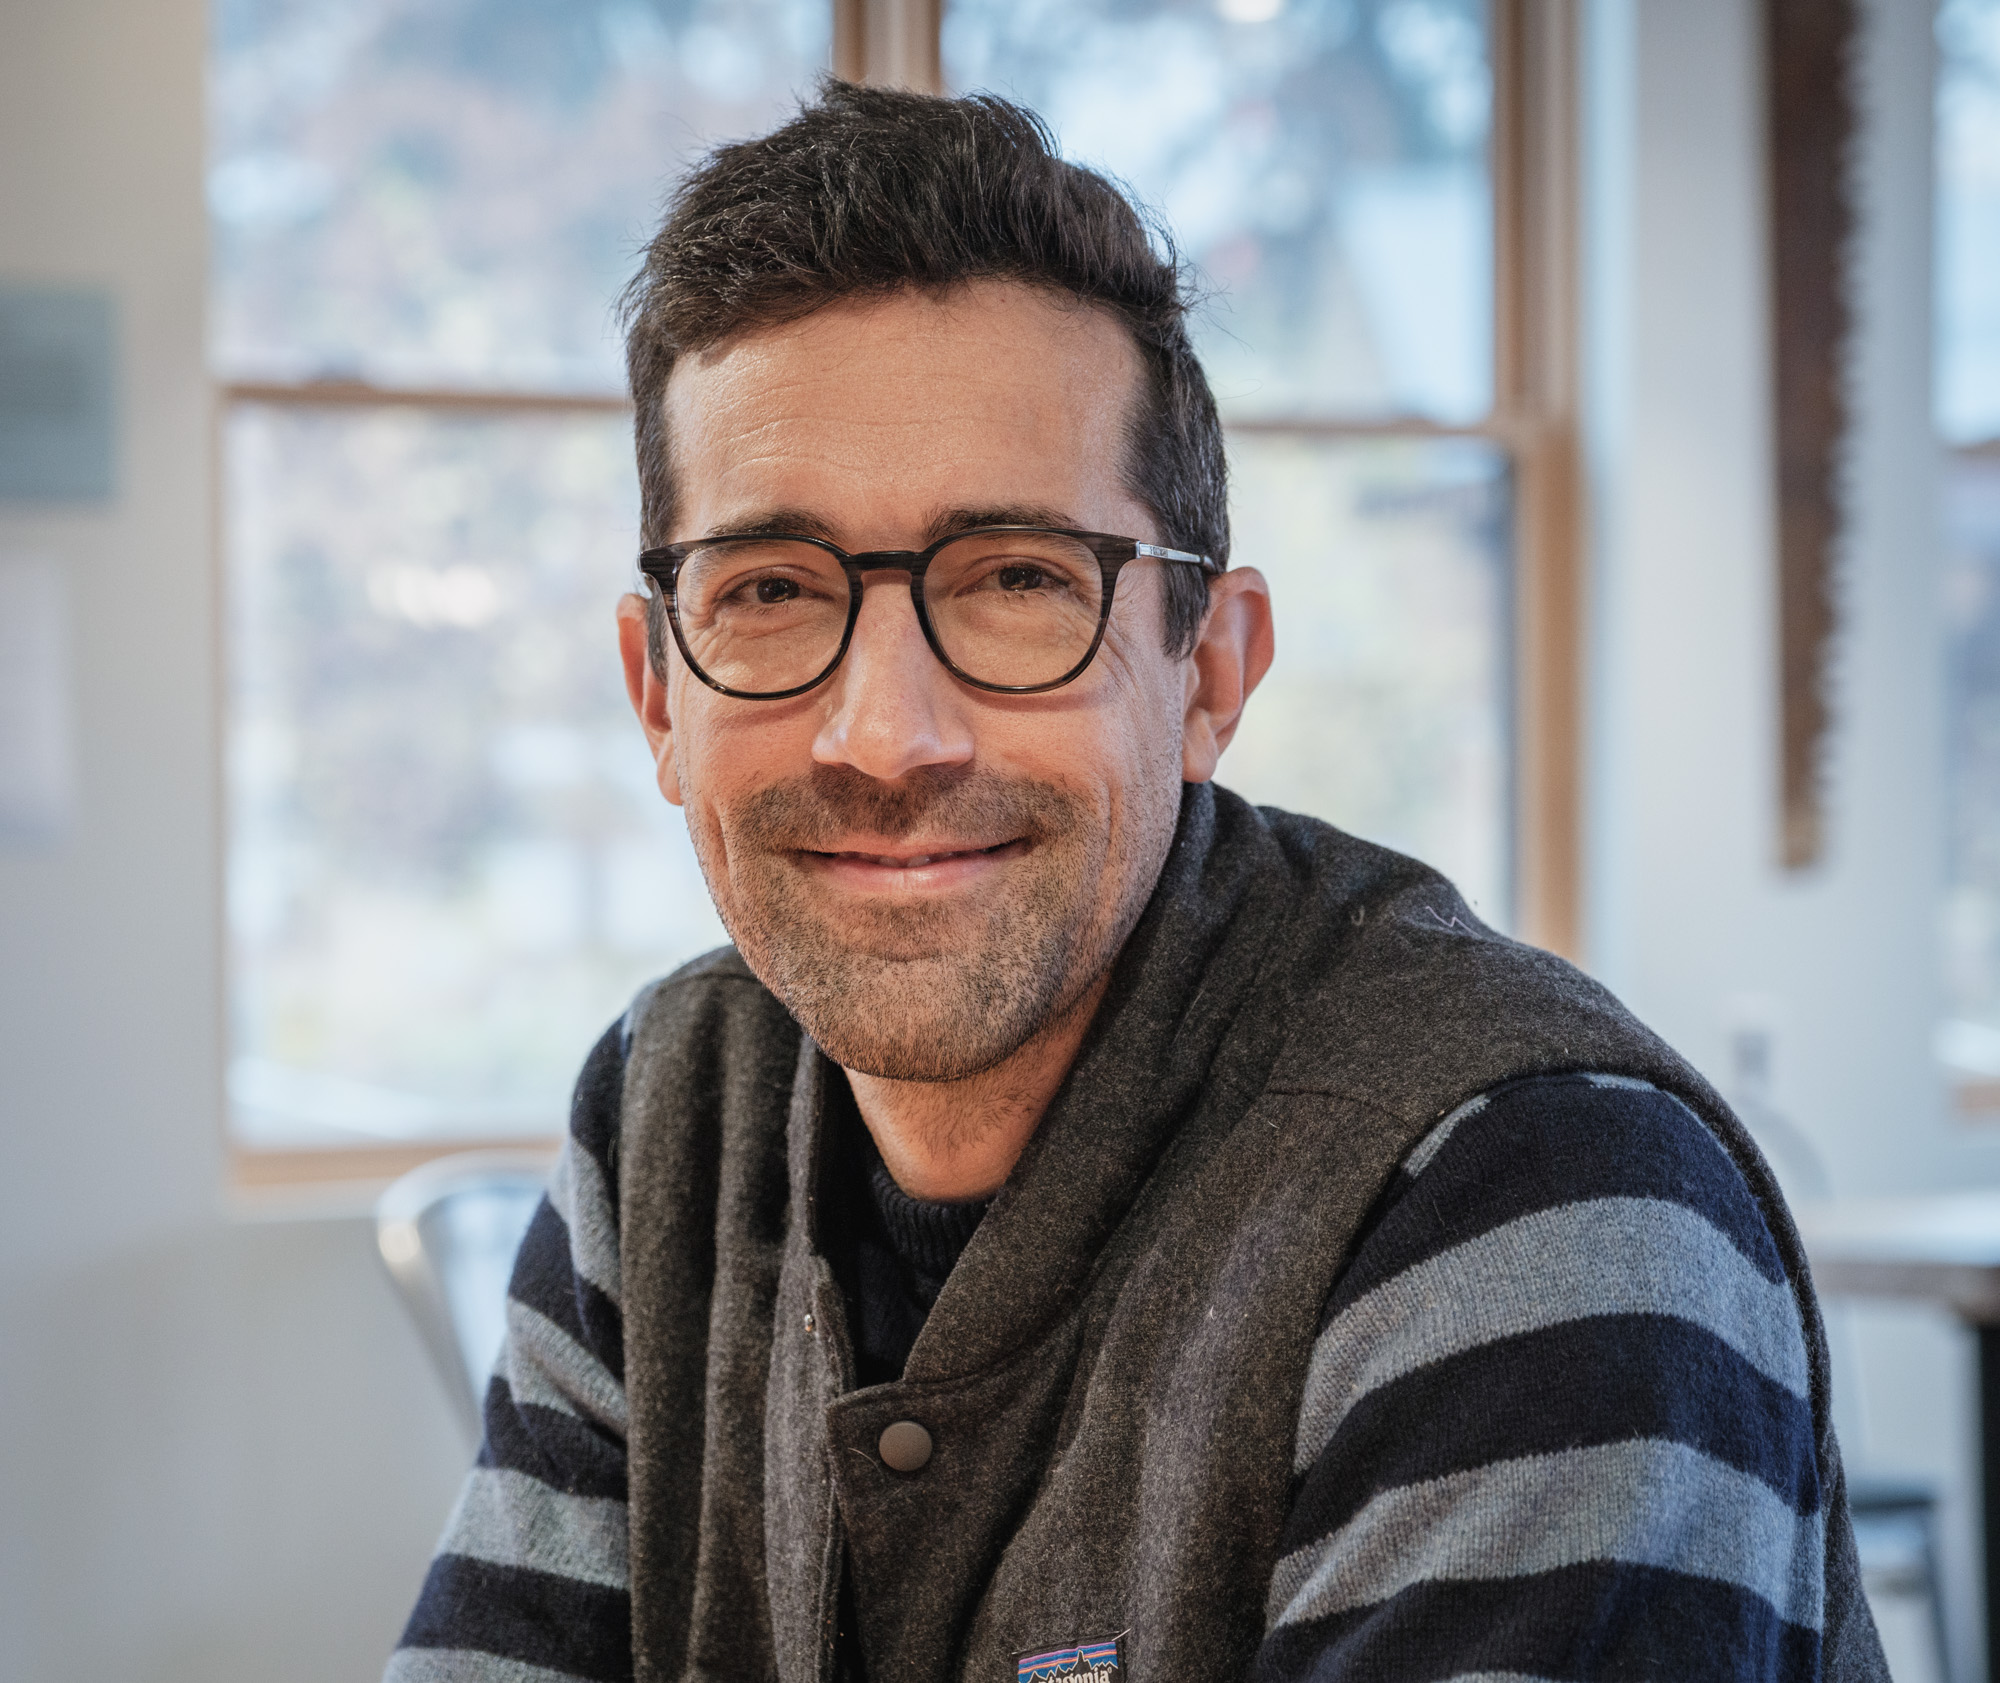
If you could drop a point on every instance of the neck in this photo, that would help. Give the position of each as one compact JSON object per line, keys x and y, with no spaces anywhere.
{"x":954,"y":1140}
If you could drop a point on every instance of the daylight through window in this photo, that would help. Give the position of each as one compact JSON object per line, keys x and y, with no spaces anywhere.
{"x":1967,"y":389}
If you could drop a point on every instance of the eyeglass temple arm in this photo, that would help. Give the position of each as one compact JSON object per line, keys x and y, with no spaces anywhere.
{"x":1154,"y":552}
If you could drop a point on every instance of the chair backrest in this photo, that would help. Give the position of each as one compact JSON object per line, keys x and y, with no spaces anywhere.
{"x":448,"y":1232}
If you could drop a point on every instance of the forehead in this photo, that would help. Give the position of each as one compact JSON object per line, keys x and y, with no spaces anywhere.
{"x":993,"y":394}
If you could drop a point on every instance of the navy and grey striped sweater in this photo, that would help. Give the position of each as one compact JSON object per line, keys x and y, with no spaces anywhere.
{"x":1556,"y":1423}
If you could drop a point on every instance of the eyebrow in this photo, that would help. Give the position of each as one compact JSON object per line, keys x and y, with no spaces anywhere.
{"x":956,"y":520}
{"x":771,"y":521}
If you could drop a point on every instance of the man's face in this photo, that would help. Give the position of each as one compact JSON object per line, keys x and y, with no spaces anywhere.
{"x":925,"y":873}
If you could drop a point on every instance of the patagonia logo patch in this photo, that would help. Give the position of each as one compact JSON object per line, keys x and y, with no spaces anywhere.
{"x":1102,"y":1660}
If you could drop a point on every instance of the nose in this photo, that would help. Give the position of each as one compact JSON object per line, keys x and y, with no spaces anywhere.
{"x":894,"y":707}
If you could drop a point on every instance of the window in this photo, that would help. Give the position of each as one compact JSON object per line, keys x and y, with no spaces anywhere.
{"x":447,"y":859}
{"x":448,"y":864}
{"x":1967,"y":388}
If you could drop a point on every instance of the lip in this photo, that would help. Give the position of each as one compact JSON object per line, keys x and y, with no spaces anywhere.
{"x":906,"y":869}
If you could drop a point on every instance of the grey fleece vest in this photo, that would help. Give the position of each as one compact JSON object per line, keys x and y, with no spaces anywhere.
{"x":1112,"y":1374}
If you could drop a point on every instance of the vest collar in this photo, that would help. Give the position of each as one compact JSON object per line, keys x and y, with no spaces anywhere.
{"x":1176,"y":988}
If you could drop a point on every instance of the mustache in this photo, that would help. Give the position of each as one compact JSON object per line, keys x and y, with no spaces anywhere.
{"x":813,"y":812}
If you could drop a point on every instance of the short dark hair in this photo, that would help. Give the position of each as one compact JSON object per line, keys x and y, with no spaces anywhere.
{"x":870,"y":191}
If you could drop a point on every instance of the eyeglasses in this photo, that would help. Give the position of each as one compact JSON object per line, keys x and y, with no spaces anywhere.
{"x":1017,"y":609}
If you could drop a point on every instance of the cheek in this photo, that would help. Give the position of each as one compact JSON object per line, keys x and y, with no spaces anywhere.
{"x":726,"y":750}
{"x":1144,"y":720}
{"x":1123,"y":753}
{"x":703,"y":765}
{"x":1153,"y":728}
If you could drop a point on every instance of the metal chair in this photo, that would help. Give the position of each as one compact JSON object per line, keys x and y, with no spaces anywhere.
{"x":1895,"y":1534}
{"x":448,"y":1233}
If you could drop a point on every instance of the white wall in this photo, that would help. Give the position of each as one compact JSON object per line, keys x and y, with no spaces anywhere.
{"x":221,"y":1455}
{"x":1689,"y":911}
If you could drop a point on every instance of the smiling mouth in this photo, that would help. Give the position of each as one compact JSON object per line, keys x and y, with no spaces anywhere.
{"x":917,"y":861}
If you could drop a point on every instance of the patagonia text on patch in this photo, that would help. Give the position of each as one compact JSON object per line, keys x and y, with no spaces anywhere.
{"x":1102,"y":1660}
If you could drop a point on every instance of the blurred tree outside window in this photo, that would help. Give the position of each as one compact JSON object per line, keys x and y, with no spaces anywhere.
{"x":451,"y":193}
{"x":448,"y":864}
{"x":1967,"y":396}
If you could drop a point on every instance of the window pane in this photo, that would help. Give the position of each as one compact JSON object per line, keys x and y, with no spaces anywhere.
{"x":1971,"y":1043}
{"x":1325,"y":162}
{"x":447,"y":191}
{"x":1386,"y":709}
{"x":449,"y":865}
{"x":1968,"y":219}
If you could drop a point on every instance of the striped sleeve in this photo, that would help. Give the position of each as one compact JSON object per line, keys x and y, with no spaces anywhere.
{"x":1557,"y":1420}
{"x":529,"y":1583}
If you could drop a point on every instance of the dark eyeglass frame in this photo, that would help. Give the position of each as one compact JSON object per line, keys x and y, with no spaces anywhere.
{"x":1113,"y":554}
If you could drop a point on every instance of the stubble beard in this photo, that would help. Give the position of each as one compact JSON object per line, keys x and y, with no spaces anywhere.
{"x":926,"y":991}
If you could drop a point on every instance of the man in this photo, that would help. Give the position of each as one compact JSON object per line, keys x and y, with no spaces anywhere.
{"x":1085,"y":1225}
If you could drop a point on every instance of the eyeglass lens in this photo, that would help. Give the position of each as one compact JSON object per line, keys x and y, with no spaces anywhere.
{"x":763,"y":615}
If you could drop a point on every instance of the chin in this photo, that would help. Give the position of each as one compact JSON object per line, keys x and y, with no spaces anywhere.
{"x":941,"y":1015}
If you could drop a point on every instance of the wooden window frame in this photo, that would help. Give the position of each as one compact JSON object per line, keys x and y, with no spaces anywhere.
{"x":1533,"y":421}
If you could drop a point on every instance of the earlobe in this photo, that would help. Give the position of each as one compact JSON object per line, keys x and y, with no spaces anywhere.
{"x":648,"y":693}
{"x":1235,"y":651}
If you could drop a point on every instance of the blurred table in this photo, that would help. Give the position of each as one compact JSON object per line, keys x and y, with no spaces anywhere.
{"x":1942,"y":1249}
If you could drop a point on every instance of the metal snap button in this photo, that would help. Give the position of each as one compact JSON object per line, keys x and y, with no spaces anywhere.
{"x":905,"y":1446}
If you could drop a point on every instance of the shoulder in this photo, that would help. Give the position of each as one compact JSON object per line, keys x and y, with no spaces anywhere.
{"x":711,"y":1009}
{"x":574,"y":1246}
{"x":710,"y":1058}
{"x":716,"y":974}
{"x":1562,"y":1155}
{"x":1403,"y":999}
{"x":1578,"y":1246}
{"x":1567,"y":1347}
{"x":596,"y":1113}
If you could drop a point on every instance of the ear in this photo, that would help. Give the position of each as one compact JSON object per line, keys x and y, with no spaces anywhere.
{"x":648,"y":693}
{"x":1237,"y":641}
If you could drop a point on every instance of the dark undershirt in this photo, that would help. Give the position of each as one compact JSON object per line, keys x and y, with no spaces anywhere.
{"x":891,"y":1254}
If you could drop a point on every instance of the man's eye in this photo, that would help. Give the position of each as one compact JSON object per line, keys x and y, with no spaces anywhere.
{"x":1021,"y":578}
{"x":776,"y":590}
